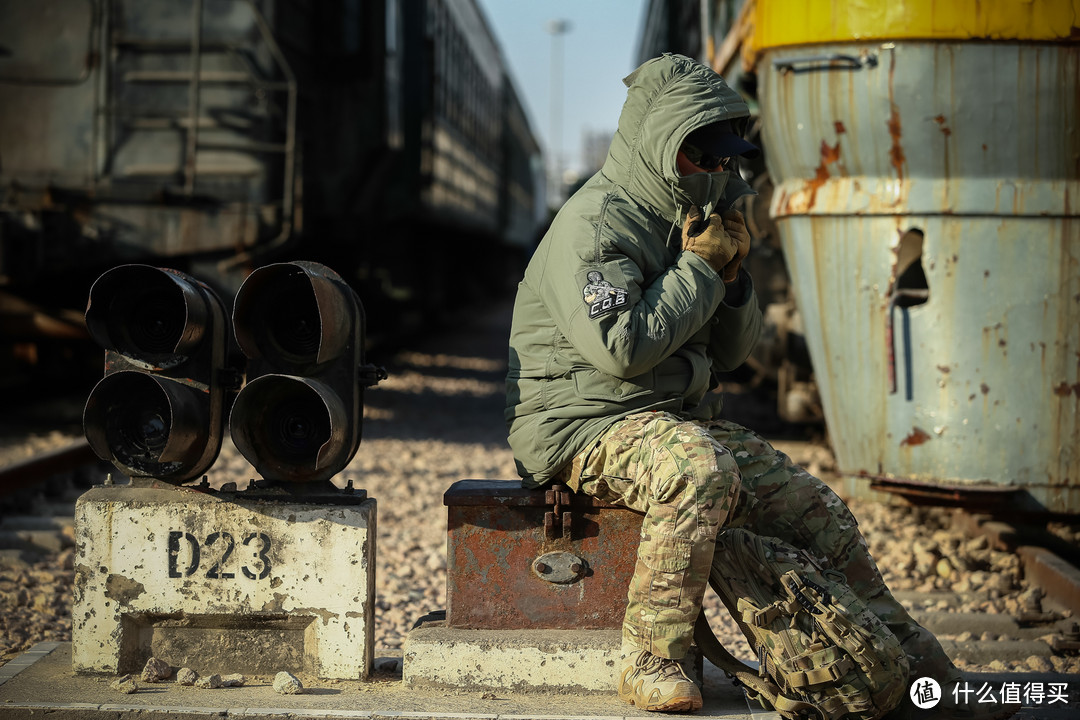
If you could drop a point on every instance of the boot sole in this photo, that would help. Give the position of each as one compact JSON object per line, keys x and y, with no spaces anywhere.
{"x":673,"y":705}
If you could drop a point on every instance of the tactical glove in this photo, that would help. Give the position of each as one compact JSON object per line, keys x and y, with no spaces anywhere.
{"x":709,"y":239}
{"x":736,"y":228}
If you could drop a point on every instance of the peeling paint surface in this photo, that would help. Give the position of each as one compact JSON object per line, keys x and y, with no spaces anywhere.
{"x":122,"y":589}
{"x":150,"y":559}
{"x":780,"y":23}
{"x":975,"y":146}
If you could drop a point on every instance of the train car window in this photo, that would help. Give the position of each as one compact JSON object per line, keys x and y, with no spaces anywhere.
{"x":352,"y":25}
{"x":395,"y":131}
{"x":47,"y":41}
{"x":910,"y":286}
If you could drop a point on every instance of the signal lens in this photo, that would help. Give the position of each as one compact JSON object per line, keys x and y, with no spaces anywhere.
{"x":292,"y":427}
{"x":146,"y":426}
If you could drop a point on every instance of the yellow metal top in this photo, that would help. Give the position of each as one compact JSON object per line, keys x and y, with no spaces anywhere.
{"x":776,"y":23}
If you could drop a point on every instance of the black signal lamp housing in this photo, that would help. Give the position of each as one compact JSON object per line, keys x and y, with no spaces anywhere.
{"x":298,"y":417}
{"x":159,"y":410}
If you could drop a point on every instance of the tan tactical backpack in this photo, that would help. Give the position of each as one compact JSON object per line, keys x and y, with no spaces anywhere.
{"x":821,"y":652}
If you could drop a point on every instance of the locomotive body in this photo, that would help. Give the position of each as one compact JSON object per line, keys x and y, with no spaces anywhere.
{"x":215,"y":136}
{"x":919,"y":164}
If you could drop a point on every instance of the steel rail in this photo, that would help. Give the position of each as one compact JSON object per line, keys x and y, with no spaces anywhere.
{"x":19,"y":476}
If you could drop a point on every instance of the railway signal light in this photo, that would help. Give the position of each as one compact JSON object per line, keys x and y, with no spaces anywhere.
{"x":298,"y":418}
{"x":159,"y":410}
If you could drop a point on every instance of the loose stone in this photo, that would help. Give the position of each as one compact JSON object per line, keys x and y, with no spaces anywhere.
{"x":287,"y":684}
{"x":186,"y":676}
{"x":156,"y":670}
{"x":211,"y":682}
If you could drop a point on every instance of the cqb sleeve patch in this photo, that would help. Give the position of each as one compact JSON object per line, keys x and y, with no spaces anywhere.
{"x":602,"y":297}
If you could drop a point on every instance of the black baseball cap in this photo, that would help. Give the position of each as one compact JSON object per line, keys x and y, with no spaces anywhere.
{"x":721,"y":140}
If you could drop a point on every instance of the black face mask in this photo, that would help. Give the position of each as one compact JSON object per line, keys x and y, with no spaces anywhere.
{"x":704,"y":189}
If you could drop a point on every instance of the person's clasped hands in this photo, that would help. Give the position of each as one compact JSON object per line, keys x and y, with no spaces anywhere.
{"x":722,"y":241}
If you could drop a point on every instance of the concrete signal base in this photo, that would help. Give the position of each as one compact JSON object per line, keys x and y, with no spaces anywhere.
{"x":521,"y":661}
{"x":223,"y":582}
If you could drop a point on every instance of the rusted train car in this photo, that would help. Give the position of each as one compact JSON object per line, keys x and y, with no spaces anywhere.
{"x":921,"y":174}
{"x":384,"y":139}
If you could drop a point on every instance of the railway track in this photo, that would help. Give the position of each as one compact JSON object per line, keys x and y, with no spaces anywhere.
{"x":38,"y":490}
{"x":39,"y":485}
{"x":999,"y":597}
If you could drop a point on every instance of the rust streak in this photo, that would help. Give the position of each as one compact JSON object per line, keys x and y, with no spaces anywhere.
{"x":829,"y":154}
{"x":896,"y":152}
{"x":917,"y":437}
{"x":940,"y":120}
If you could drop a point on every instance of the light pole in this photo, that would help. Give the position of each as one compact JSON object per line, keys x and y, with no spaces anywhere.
{"x":556,"y":28}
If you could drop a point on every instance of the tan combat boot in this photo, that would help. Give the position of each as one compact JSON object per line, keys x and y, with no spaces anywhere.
{"x":655,"y":683}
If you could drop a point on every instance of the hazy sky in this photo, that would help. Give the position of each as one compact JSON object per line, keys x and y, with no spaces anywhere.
{"x":599,"y":50}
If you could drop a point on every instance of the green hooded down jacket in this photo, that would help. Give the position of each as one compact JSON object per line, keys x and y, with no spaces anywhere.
{"x":612,"y":317}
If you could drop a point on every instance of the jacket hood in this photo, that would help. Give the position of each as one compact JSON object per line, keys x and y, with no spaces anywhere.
{"x":668,"y":98}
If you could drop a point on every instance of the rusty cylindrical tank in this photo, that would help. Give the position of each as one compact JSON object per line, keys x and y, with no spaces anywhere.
{"x":926,"y":157}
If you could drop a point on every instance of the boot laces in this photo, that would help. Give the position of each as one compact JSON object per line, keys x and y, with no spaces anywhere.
{"x":665,"y":668}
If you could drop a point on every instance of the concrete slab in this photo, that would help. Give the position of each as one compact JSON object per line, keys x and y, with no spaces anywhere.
{"x":44,"y":684}
{"x":49,"y":684}
{"x":555,"y":661}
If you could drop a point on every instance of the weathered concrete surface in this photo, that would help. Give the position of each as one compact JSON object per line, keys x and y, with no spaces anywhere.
{"x":577,"y":661}
{"x":40,"y":682}
{"x":49,"y":685}
{"x":223,"y":584}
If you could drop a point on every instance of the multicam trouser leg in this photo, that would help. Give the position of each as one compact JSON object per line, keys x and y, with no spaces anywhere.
{"x":686,"y":483}
{"x":781,"y":499}
{"x":685,"y":476}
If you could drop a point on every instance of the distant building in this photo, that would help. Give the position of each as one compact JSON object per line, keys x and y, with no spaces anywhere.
{"x":594,"y":149}
{"x":670,"y":26}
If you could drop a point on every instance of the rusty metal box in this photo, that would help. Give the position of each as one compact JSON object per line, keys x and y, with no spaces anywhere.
{"x":551,"y":558}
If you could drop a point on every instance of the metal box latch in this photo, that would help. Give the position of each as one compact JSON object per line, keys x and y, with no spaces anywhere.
{"x":558,"y":520}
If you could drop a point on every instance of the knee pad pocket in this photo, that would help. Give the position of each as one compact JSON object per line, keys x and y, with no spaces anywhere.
{"x":668,"y":559}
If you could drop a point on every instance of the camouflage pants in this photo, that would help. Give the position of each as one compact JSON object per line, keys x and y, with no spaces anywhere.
{"x":689,"y":478}
{"x":686,"y":483}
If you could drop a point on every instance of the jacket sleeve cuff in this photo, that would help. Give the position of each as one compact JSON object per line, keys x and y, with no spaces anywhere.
{"x":738,"y":292}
